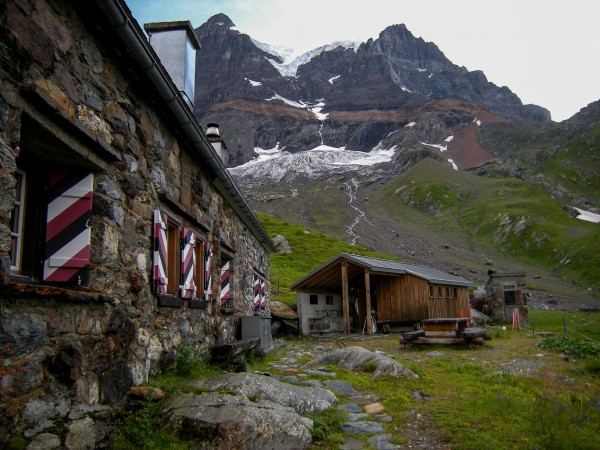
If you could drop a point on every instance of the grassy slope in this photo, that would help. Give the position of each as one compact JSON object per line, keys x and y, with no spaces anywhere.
{"x":310,"y":249}
{"x":508,"y":215}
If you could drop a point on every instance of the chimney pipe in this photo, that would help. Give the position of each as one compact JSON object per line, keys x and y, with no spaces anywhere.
{"x":214,"y":137}
{"x":175,"y":44}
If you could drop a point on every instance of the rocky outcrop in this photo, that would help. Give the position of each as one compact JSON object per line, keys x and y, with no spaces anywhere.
{"x":352,"y":358}
{"x":258,"y":412}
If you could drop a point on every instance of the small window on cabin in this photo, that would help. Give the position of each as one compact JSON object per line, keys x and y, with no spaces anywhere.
{"x":448,"y":292}
{"x":329,"y":299}
{"x":431,"y":292}
{"x":173,"y":249}
{"x":455,"y":293}
{"x":440,"y":292}
{"x":314,"y":299}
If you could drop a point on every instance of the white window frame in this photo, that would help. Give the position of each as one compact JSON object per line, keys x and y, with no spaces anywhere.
{"x":16,"y":231}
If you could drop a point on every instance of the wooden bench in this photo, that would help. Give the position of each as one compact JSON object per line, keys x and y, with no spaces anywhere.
{"x":446,"y":330}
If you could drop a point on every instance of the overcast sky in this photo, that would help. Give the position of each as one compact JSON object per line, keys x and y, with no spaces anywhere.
{"x":546,"y":52}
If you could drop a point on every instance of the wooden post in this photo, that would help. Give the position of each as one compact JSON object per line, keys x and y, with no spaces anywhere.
{"x":368,"y":302}
{"x":345,"y":297}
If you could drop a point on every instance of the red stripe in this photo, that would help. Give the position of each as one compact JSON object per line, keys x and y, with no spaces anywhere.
{"x":67,"y":217}
{"x":57,"y":175}
{"x":72,"y":266}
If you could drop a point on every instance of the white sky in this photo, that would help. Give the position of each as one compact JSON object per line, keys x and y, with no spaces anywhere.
{"x":546,"y":52}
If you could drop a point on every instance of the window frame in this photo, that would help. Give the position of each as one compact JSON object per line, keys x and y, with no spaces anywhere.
{"x":311,"y":297}
{"x":17,"y":221}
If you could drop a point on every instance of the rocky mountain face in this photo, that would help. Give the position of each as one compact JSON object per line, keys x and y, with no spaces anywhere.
{"x":343,"y":95}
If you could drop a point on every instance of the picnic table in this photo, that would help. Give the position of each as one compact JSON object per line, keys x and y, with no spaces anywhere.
{"x":446,"y":330}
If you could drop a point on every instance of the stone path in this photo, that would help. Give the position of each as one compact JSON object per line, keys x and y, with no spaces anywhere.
{"x":366,"y":414}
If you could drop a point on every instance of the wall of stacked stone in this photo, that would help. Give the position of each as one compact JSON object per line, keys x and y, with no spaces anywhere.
{"x":57,"y":353}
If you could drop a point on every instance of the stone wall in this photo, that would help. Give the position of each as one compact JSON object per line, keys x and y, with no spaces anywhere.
{"x":68,"y":100}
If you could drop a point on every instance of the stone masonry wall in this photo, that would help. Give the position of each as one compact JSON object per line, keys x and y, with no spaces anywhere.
{"x":64,"y":357}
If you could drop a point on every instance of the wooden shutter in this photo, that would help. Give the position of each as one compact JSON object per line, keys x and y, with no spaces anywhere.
{"x":225,"y":282}
{"x":68,"y":229}
{"x":256,"y":291}
{"x":160,"y":252}
{"x":263,"y":297}
{"x":188,"y":263}
{"x":207,"y":271}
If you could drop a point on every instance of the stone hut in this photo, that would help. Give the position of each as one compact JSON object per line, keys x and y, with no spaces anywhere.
{"x":122,"y":234}
{"x":505,"y":293}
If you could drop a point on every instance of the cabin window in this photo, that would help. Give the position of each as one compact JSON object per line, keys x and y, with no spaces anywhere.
{"x":314,"y":299}
{"x":199,"y":269}
{"x":440,"y":292}
{"x":454,"y":293}
{"x":329,"y":299}
{"x":431,"y":292}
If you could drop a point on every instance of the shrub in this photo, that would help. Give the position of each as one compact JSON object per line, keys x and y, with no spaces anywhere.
{"x":573,"y":346}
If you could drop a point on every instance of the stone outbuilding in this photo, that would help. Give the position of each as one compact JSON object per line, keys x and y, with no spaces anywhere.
{"x":122,"y":234}
{"x":505,"y":293}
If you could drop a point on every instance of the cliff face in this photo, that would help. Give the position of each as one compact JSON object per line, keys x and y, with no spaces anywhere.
{"x":335,"y":95}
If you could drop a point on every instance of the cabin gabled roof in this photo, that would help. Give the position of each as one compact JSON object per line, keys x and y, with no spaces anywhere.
{"x":328,"y":276}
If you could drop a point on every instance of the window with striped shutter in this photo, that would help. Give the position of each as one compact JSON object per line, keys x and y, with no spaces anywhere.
{"x":160,"y":252}
{"x":225,"y":281}
{"x":263,"y":297}
{"x":68,"y":229}
{"x":188,"y":263}
{"x":207,"y":271}
{"x":256,"y":291}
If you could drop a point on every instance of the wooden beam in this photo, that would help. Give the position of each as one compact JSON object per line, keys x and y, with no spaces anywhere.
{"x":368,"y":301}
{"x":345,"y":297}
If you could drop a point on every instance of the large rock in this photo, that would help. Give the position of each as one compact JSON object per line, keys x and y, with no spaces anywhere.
{"x":235,"y":422}
{"x":303,"y":399}
{"x":352,"y":358}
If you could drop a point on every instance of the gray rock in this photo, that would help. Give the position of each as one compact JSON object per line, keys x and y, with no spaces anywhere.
{"x":385,"y":418}
{"x":382,"y":442}
{"x":364,"y":399}
{"x":227,"y":421}
{"x":354,"y":417}
{"x":351,"y":408}
{"x":361,"y":427}
{"x":320,"y":373}
{"x":341,"y":387}
{"x":353,"y":357}
{"x":352,"y":444}
{"x":44,"y":441}
{"x":435,"y":354}
{"x":81,"y":435}
{"x":303,"y":399}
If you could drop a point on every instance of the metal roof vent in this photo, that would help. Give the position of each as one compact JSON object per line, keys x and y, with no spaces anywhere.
{"x":214,"y":137}
{"x":175,"y":44}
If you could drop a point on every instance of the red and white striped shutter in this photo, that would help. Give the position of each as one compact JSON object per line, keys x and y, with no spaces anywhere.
{"x":225,"y":282}
{"x":263,"y":297}
{"x":188,"y":263}
{"x":68,"y":229}
{"x":160,"y":252}
{"x":256,"y":291}
{"x":207,"y":271}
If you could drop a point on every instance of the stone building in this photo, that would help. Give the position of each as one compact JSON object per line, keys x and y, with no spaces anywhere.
{"x":122,"y":235}
{"x":505,"y":293}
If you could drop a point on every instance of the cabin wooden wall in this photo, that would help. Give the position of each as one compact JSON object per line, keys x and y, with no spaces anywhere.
{"x":407,"y":299}
{"x":402,"y":299}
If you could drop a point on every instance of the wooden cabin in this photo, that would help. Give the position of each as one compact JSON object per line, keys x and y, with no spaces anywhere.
{"x":349,"y":291}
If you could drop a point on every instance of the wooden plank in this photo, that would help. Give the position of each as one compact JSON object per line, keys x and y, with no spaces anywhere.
{"x":410,"y":335}
{"x":440,"y":334}
{"x":368,"y":297}
{"x":345,"y":297}
{"x":440,"y":326}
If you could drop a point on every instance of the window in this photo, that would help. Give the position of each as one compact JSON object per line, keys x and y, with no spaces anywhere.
{"x":199,"y":268}
{"x":17,"y":218}
{"x":172,"y":258}
{"x":314,"y":299}
{"x":329,"y":299}
{"x":431,"y":292}
{"x":50,"y":223}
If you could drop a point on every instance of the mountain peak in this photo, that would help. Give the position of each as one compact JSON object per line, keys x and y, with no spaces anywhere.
{"x":220,"y":20}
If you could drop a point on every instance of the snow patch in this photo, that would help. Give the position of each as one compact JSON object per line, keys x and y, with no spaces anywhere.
{"x":421,"y":70}
{"x":588,"y":216}
{"x":253,"y":83}
{"x":411,"y":124}
{"x":315,"y":108}
{"x":405,"y":89}
{"x":477,"y":121}
{"x":430,"y":75}
{"x":332,"y":79}
{"x":441,"y":148}
{"x":454,"y":166}
{"x":449,"y":138}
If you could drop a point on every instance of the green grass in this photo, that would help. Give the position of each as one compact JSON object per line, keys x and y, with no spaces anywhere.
{"x":310,"y":249}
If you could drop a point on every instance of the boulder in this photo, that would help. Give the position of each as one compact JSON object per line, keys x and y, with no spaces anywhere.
{"x":226,"y":421}
{"x":352,"y":358}
{"x":302,"y":399}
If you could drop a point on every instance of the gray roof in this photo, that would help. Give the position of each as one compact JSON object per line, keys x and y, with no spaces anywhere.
{"x":432,"y":275}
{"x":328,"y":274}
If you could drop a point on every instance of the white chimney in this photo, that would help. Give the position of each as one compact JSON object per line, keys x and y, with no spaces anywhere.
{"x":214,"y":137}
{"x":175,"y":44}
